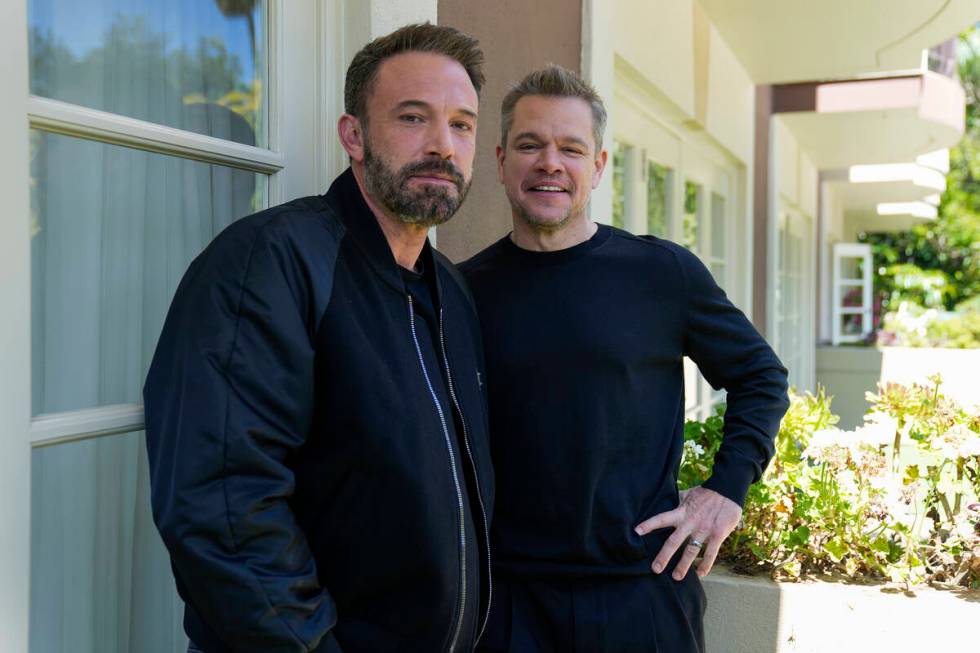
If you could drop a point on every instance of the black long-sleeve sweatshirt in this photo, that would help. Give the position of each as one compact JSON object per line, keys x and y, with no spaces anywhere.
{"x":584,"y":350}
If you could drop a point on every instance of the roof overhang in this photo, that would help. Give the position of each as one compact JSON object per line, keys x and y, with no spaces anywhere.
{"x":889,"y":197}
{"x":881,"y":120}
{"x":779,"y":42}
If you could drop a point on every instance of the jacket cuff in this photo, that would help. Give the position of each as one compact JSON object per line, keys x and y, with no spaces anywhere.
{"x":731,"y":477}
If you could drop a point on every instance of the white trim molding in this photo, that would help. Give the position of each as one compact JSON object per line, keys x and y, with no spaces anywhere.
{"x":71,"y":120}
{"x":15,"y":356}
{"x":47,"y":430}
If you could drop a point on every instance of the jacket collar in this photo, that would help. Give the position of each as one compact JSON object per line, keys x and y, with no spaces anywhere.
{"x":344,"y":196}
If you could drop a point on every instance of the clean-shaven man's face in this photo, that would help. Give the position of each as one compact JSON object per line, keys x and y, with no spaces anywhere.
{"x":549,"y":165}
{"x":420,"y":137}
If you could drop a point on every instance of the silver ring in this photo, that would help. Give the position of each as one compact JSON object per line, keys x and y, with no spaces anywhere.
{"x":694,"y":542}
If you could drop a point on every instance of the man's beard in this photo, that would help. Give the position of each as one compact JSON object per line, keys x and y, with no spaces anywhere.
{"x":428,"y":206}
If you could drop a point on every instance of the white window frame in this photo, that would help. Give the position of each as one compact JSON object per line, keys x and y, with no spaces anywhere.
{"x":297,"y":165}
{"x":285,"y":136}
{"x":862,"y":252}
{"x":791,"y":218}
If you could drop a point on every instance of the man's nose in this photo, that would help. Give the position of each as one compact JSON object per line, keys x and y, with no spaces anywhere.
{"x":440,"y":141}
{"x":549,"y":161}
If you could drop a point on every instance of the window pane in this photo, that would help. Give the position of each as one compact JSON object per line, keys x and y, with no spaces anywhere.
{"x":852,"y":324}
{"x":692,"y":215}
{"x":198,"y":65}
{"x":619,"y":185}
{"x":100,"y":575}
{"x":718,"y":272}
{"x":113,"y":231}
{"x":852,"y":267}
{"x":852,"y":296}
{"x":717,"y":226}
{"x":658,"y":199}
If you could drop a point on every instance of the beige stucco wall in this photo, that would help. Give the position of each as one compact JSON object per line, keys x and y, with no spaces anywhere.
{"x":517,"y":37}
{"x":731,"y":100}
{"x":657,"y":38}
{"x":674,"y":47}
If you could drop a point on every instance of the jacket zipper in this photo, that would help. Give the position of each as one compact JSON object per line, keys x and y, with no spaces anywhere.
{"x":452,"y":463}
{"x":476,"y":478}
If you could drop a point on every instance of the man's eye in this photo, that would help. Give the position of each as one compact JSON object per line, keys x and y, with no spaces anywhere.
{"x":527,"y":146}
{"x":410,"y":118}
{"x":571,"y":150}
{"x":463,"y":126}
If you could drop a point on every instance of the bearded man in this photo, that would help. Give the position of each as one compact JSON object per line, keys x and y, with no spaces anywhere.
{"x":314,"y":413}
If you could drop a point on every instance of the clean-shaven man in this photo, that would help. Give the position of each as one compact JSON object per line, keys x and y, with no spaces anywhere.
{"x":586,"y":327}
{"x":314,"y":412}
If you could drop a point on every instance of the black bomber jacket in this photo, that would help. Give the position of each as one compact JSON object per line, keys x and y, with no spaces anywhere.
{"x":301,"y":478}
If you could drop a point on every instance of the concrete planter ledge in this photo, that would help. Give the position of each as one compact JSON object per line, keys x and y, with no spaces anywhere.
{"x":751,"y":614}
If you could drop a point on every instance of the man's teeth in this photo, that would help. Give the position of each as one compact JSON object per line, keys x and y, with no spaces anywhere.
{"x":553,"y":189}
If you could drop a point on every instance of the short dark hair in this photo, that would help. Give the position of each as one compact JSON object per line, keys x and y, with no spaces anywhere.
{"x":420,"y":37}
{"x":553,"y":81}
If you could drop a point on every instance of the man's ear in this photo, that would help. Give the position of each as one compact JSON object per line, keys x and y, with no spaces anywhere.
{"x":351,"y":137}
{"x":500,"y":164}
{"x":600,"y":166}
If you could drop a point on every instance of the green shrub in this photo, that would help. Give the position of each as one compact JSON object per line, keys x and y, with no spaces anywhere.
{"x":896,"y":499}
{"x":914,"y":326}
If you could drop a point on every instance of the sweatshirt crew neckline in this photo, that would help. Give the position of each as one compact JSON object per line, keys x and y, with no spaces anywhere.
{"x":558,"y":256}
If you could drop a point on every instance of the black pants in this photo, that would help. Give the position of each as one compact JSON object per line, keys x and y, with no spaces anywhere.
{"x":637,"y":614}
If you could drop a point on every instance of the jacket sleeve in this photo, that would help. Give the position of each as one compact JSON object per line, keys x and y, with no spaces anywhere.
{"x":229,"y":396}
{"x":731,"y":354}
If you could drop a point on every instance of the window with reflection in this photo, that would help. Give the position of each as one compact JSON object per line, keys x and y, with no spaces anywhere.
{"x":100,"y":575}
{"x":181,"y":63}
{"x":716,"y":248}
{"x":659,"y":179}
{"x":619,"y":185}
{"x":691,"y":221}
{"x":114,"y":230}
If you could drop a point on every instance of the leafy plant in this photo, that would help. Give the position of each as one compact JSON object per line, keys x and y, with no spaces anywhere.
{"x":895,"y":499}
{"x":914,"y":326}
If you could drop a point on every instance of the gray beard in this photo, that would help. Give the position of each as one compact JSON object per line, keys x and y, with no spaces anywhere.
{"x":427,"y":207}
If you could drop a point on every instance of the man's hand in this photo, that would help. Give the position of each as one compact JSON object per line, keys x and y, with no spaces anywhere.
{"x":705,"y":517}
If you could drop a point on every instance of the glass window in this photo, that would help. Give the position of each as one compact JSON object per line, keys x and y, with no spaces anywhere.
{"x":619,"y":185}
{"x":100,"y":575}
{"x":852,"y":267}
{"x":198,"y":65}
{"x":658,"y":199}
{"x":716,"y":248}
{"x":692,"y":215}
{"x":114,"y":231}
